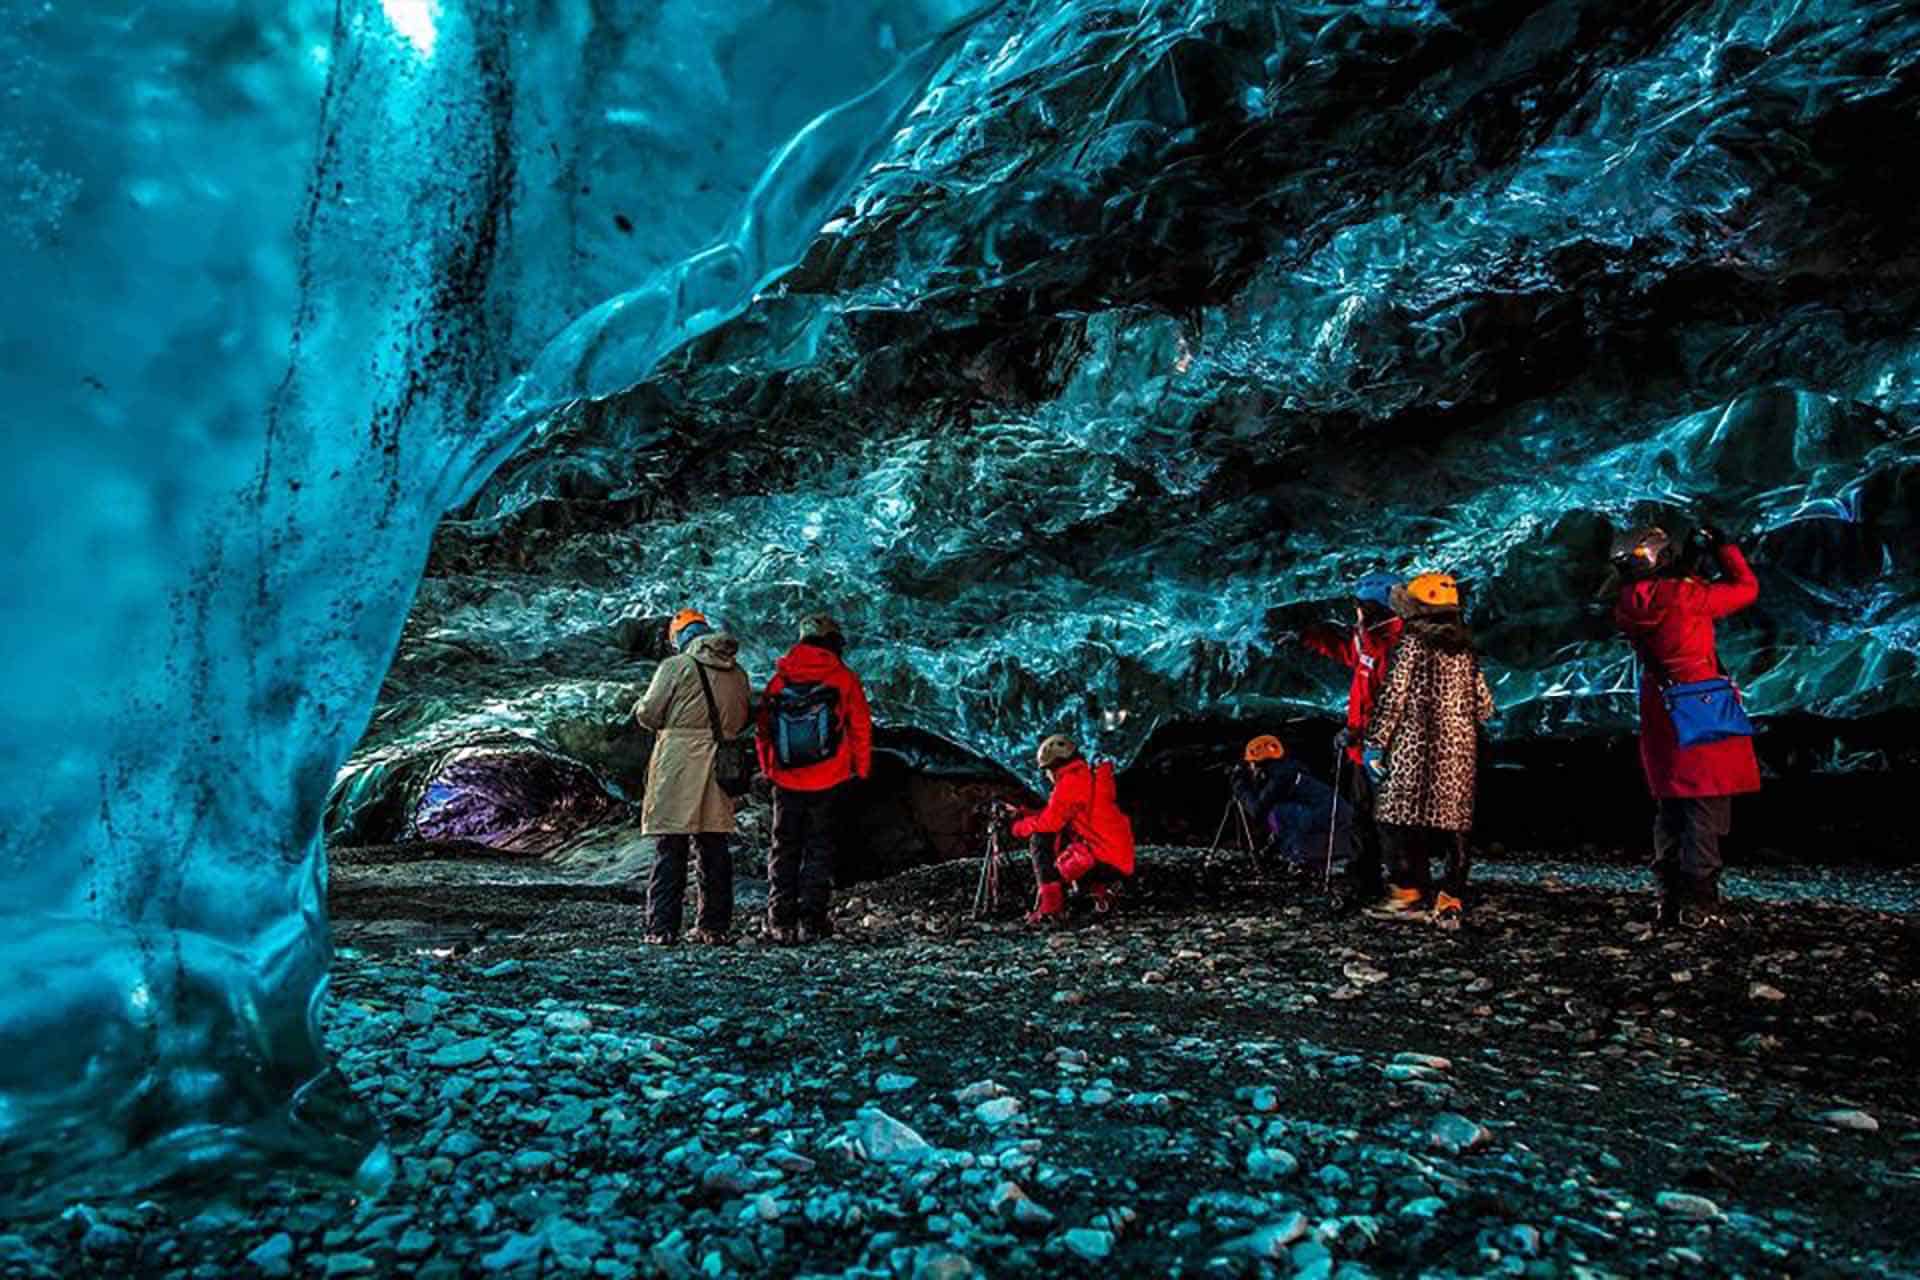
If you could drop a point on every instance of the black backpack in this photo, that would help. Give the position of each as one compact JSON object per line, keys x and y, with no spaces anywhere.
{"x":806,"y":724}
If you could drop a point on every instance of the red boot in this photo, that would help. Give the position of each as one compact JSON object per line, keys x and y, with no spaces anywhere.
{"x":1052,"y":903}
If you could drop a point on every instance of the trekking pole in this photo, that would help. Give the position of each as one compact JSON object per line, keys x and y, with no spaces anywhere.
{"x":1333,"y":820}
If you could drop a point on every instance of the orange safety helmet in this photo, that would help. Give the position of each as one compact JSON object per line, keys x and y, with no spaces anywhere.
{"x":1435,"y":590}
{"x":681,"y":621}
{"x":1265,"y":747}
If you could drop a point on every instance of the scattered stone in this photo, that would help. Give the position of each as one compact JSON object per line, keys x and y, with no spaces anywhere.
{"x":462,"y":1053}
{"x":1088,"y":1243}
{"x":892,"y":1082}
{"x":1269,"y":1164}
{"x":887,"y":1140}
{"x":1272,"y":1239}
{"x":1761,"y":991}
{"x":1455,"y":1134}
{"x":568,"y":1022}
{"x":1851,"y":1120}
{"x":997,"y":1111}
{"x":274,"y":1257}
{"x":1683,"y":1204}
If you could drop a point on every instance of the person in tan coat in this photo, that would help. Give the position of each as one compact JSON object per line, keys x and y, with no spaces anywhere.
{"x":684,"y":806}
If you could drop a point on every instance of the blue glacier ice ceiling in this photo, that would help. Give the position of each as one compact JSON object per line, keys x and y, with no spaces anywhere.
{"x":1158,"y":323}
{"x":287,"y":281}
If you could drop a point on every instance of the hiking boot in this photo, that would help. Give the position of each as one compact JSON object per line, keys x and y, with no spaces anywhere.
{"x":1051,"y":905}
{"x":816,"y":930}
{"x":1708,"y":916}
{"x":1398,"y":904}
{"x":1103,"y":895}
{"x":780,"y":935}
{"x":1447,"y":910}
{"x":709,"y":937}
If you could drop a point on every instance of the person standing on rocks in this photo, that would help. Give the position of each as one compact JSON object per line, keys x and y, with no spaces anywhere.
{"x":1364,"y":650}
{"x":1080,"y":836}
{"x":815,"y":737}
{"x":1668,"y":616}
{"x":698,"y":696}
{"x":1423,"y":748}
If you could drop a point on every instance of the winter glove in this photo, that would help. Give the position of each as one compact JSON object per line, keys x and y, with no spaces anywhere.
{"x":1374,"y":761}
{"x":1711,"y":537}
{"x":1342,"y":740}
{"x":1023,"y":828}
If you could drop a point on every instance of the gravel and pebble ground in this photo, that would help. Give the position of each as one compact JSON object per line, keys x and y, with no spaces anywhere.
{"x":1220,"y":1078}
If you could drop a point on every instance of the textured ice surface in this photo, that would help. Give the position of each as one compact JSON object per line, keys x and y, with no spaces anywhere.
{"x":1163,"y":322}
{"x":284,"y":281}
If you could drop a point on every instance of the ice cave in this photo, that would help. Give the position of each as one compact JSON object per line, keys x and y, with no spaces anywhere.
{"x":914,"y":639}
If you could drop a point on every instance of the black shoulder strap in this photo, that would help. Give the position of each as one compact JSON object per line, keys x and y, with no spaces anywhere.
{"x":706,"y":691}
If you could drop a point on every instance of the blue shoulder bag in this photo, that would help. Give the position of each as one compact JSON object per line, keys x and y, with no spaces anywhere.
{"x":1706,"y":711}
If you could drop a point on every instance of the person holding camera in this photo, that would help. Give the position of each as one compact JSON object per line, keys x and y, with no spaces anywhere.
{"x":1081,"y":836}
{"x":815,"y":737}
{"x":1696,"y":746}
{"x":696,"y":702}
{"x":1291,"y":809}
{"x":1363,"y":650}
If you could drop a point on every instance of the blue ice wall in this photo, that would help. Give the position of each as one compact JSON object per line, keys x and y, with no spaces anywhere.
{"x":284,"y":281}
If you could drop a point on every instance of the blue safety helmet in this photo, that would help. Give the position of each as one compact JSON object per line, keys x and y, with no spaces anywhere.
{"x":1376,"y":588}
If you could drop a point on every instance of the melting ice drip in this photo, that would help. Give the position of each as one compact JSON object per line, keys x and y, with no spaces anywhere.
{"x":212,"y":546}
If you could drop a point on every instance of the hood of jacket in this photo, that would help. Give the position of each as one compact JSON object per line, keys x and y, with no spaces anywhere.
{"x":1447,"y":634}
{"x":1643,"y":606}
{"x":716,"y":650}
{"x":809,"y":664}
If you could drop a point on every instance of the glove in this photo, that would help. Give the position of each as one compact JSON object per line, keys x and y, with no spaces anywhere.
{"x":1374,"y":761}
{"x":1711,"y":536}
{"x":1342,"y":740}
{"x":1022,"y":829}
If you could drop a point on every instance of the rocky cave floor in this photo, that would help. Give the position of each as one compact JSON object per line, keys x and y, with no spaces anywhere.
{"x":1220,"y":1078}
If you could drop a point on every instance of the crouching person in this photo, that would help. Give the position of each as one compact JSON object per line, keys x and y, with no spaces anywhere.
{"x":698,"y":697}
{"x":1291,"y":810}
{"x":815,"y":736}
{"x":1081,"y":836}
{"x":1426,"y":728}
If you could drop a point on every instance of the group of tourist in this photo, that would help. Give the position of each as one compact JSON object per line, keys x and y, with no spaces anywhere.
{"x":1405,"y":773}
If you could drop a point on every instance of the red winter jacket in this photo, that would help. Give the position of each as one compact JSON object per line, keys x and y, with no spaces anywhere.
{"x":1083,"y":805}
{"x":809,"y":663}
{"x":1365,"y":653}
{"x":1670,"y":621}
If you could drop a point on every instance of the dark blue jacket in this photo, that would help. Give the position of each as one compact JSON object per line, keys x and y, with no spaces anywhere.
{"x":1291,"y":808}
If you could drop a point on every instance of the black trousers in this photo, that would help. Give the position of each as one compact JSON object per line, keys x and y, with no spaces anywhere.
{"x":800,"y":864}
{"x":667,"y":882}
{"x":1686,"y":846}
{"x":1410,"y":853}
{"x":1046,"y":867}
{"x":1356,"y":796}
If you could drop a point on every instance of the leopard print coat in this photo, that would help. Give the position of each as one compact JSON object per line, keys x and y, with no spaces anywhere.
{"x":1427,"y":721}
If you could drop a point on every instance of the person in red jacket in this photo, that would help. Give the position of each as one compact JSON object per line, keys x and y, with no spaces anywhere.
{"x":1081,"y":836}
{"x":815,"y":735}
{"x":1363,"y":650}
{"x":1668,"y":616}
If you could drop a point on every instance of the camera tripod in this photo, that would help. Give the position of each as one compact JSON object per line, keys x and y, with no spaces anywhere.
{"x":986,"y":892}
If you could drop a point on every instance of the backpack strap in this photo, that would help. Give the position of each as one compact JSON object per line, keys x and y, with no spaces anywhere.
{"x":706,"y":691}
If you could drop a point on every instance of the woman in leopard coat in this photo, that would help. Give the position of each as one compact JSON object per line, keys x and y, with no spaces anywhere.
{"x":1426,"y":726}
